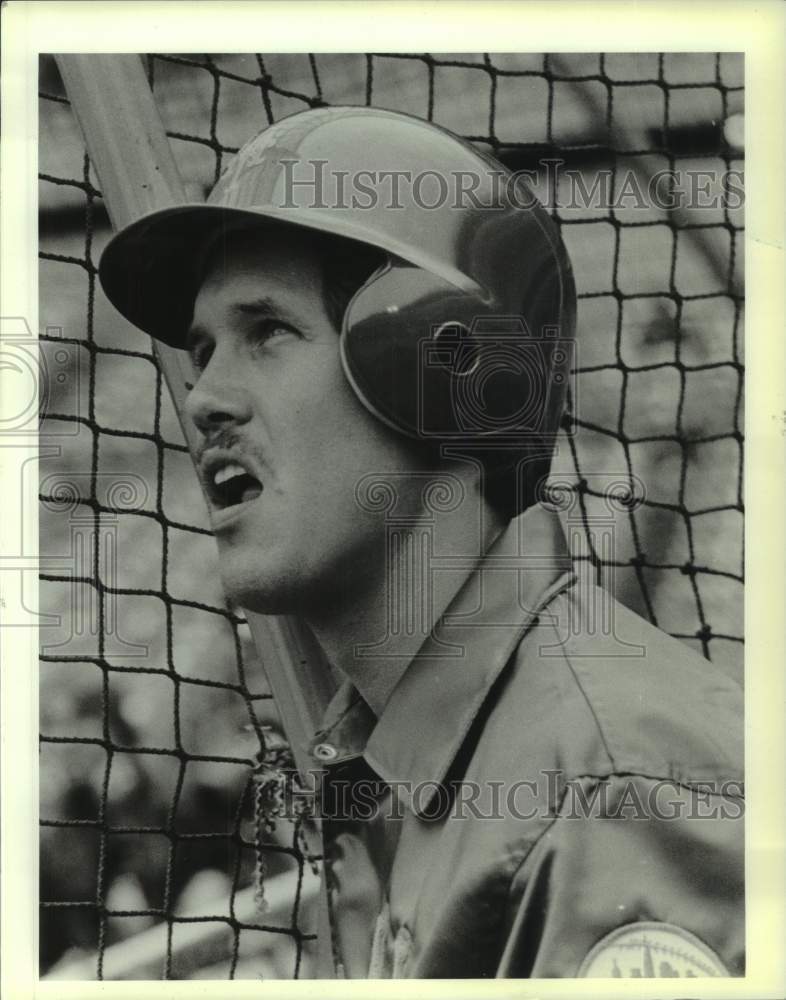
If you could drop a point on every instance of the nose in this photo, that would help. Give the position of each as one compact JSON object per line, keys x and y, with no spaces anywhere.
{"x":219,"y":398}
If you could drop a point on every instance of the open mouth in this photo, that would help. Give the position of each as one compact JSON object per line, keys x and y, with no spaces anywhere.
{"x":229,"y":485}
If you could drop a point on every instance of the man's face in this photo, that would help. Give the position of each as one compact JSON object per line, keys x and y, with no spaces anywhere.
{"x":284,"y":439}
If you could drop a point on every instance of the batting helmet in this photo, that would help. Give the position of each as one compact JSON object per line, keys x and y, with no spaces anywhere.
{"x":463,"y":337}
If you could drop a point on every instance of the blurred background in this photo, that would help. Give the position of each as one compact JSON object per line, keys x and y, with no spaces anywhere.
{"x":153,"y":703}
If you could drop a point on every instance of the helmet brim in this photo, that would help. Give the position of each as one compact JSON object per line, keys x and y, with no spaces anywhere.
{"x":151,"y":270}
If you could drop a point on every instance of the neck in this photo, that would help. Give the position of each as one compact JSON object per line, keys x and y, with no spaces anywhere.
{"x":373,"y":630}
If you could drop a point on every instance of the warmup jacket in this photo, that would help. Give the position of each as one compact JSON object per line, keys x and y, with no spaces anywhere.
{"x":554,"y":789}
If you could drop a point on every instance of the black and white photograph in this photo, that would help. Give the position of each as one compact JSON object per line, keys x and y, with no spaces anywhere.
{"x":391,"y":484}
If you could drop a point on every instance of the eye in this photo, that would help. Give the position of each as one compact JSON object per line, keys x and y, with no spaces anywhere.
{"x":201,"y":354}
{"x":270,"y":329}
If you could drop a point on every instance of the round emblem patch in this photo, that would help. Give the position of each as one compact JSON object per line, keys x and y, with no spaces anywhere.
{"x":649,"y":950}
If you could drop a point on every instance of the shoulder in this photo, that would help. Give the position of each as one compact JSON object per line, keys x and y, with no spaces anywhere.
{"x":597,"y":690}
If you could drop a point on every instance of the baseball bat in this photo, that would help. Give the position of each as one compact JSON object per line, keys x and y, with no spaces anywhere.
{"x":128,"y":146}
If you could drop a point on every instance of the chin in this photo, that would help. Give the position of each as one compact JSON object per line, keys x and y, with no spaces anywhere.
{"x":288,"y":580}
{"x":260,"y":584}
{"x":260,"y":594}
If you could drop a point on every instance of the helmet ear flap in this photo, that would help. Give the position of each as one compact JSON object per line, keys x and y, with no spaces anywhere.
{"x":440,"y":364}
{"x":404,"y":342}
{"x":447,"y":368}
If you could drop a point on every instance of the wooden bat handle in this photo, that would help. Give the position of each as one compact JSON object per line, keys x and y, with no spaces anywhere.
{"x":129,"y":149}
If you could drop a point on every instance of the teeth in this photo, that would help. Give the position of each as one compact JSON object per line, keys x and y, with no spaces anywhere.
{"x":228,"y":472}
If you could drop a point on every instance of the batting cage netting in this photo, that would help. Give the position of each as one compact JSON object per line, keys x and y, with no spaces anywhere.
{"x":161,"y":856}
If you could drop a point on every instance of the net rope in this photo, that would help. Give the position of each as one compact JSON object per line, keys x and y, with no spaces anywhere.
{"x":677,"y":535}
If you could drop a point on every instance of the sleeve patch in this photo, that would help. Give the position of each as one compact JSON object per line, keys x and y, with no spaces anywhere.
{"x":649,"y":950}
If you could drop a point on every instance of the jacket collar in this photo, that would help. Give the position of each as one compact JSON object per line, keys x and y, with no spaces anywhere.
{"x":433,"y":706}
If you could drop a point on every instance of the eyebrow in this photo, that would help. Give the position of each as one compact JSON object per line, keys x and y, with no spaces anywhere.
{"x":266,"y":307}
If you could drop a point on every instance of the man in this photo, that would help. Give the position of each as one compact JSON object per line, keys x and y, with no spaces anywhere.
{"x":521,"y":777}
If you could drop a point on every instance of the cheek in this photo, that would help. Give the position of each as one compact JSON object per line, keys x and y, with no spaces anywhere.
{"x":323,"y":429}
{"x":325,"y":442}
